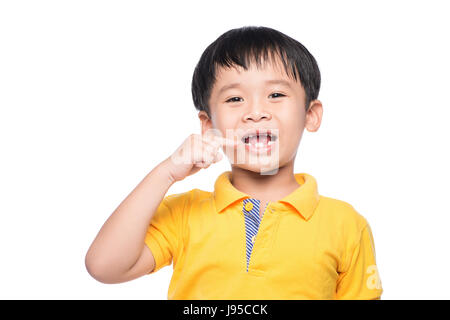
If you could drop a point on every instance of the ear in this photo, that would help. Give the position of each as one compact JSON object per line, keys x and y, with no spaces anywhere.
{"x":205,"y":121}
{"x":314,"y":116}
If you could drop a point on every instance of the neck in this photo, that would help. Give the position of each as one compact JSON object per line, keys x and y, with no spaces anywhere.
{"x":265,"y":187}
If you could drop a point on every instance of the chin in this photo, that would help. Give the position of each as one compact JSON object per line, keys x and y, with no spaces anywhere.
{"x":261,"y":168}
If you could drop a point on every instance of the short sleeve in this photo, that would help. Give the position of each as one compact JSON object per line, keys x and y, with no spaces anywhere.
{"x":164,"y":232}
{"x":361,"y":280}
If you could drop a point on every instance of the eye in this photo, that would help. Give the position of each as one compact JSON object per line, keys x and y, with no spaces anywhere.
{"x":229,"y":100}
{"x":279,"y":94}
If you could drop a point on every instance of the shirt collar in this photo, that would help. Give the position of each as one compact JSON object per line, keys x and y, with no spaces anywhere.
{"x":304,"y":199}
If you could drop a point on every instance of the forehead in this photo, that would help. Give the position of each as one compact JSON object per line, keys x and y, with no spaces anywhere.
{"x":269,"y":67}
{"x":265,"y":72}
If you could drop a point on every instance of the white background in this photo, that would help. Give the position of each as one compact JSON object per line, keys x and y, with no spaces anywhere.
{"x":94,"y":94}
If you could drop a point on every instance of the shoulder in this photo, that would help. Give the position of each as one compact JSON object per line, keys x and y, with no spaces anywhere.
{"x":186,"y":199}
{"x":345,"y":224}
{"x":341,"y":213}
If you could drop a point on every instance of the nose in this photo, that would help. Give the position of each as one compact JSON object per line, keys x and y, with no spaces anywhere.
{"x":257,"y":115}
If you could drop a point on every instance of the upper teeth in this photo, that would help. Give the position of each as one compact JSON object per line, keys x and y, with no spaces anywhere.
{"x":261,"y":134}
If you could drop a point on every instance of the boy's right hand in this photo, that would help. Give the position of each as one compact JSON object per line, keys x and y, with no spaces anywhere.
{"x":195,"y":153}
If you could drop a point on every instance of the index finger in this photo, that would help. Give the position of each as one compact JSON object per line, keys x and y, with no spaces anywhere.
{"x":225,"y":141}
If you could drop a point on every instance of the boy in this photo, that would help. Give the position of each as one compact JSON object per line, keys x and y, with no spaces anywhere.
{"x":265,"y":232}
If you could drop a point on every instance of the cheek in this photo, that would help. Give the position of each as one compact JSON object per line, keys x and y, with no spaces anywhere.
{"x":290,"y":143}
{"x":218,"y":122}
{"x":224,"y":121}
{"x":291,"y":137}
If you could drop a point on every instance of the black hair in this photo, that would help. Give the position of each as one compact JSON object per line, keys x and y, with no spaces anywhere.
{"x":247,"y":44}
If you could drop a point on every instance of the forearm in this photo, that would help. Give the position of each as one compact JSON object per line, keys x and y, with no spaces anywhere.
{"x":120,"y":241}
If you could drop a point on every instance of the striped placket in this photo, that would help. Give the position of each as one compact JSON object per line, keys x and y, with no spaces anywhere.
{"x":252,"y":222}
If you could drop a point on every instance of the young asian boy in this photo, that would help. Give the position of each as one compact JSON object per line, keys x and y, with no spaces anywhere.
{"x":264,"y":232}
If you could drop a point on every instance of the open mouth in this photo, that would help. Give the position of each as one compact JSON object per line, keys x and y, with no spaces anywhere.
{"x":259,"y":140}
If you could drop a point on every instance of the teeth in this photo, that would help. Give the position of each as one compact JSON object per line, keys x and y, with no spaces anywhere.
{"x":272,"y":137}
{"x":262,"y":145}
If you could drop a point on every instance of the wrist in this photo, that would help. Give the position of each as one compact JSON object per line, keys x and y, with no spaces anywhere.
{"x":165,"y":168}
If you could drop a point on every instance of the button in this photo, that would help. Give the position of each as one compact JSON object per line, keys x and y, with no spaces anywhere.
{"x":253,"y":239}
{"x":248,"y":206}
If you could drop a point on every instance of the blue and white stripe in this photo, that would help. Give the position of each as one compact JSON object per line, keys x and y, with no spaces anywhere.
{"x":252,"y":222}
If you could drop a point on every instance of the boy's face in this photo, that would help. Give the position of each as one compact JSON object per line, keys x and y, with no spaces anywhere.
{"x":255,"y":103}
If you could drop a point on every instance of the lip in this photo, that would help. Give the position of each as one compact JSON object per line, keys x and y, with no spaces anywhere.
{"x":262,"y":150}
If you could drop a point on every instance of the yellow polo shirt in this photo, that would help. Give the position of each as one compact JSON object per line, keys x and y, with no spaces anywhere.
{"x":305,"y":246}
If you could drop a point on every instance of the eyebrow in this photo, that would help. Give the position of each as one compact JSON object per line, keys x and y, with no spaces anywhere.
{"x":238,"y":84}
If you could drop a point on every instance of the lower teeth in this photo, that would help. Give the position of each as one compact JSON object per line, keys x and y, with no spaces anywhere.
{"x":262,"y":145}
